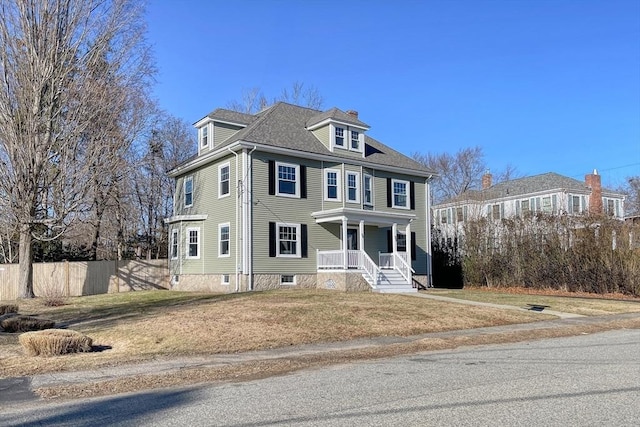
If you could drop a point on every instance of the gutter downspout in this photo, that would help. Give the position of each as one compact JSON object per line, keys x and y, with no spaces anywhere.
{"x":428,"y":245}
{"x":237,"y":219}
{"x":248,"y":188}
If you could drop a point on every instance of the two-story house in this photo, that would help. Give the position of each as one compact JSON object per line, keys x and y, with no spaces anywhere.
{"x":293,"y":196}
{"x":548,"y":193}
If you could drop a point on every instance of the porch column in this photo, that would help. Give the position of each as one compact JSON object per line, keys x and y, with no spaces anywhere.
{"x":394,"y":237}
{"x":361,"y":235}
{"x":345,"y":254}
{"x":408,"y":240}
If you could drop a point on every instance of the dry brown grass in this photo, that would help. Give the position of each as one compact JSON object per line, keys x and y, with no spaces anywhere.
{"x":54,"y":342}
{"x":8,"y":308}
{"x":25,"y":324}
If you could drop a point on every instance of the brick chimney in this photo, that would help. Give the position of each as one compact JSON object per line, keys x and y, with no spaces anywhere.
{"x":594,"y":183}
{"x":487,"y":180}
{"x":353,"y":113}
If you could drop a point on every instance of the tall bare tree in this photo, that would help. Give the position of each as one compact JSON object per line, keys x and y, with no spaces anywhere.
{"x":55,"y":58}
{"x":253,"y":100}
{"x":460,"y":172}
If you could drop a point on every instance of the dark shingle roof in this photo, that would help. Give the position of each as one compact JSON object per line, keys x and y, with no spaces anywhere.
{"x":231,"y":116}
{"x":284,"y":125}
{"x":337,"y":115}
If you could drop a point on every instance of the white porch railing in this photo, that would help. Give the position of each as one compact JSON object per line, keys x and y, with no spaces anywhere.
{"x":331,"y":260}
{"x":370,"y":267}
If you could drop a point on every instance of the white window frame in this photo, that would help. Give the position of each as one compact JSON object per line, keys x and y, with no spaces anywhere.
{"x":224,"y":279}
{"x":287,"y":283}
{"x":296,"y":182}
{"x":187,"y":180}
{"x":352,"y":140}
{"x":220,"y":227}
{"x":175,"y":244}
{"x":524,"y":212}
{"x":334,"y":136}
{"x":204,"y":132}
{"x":356,"y":176}
{"x":188,"y":242}
{"x":364,"y":190}
{"x":338,"y":185}
{"x":572,"y":198}
{"x":393,"y":194}
{"x":298,"y":240}
{"x":546,"y":204}
{"x":220,"y":181}
{"x":404,"y":235}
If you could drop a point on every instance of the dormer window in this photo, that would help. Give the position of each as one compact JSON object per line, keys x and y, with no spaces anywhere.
{"x":204,"y":136}
{"x":339,"y":136}
{"x":355,"y":140}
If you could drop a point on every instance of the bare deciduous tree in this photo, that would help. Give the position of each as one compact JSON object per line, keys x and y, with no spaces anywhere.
{"x":254,"y":100}
{"x":460,"y":172}
{"x":56,"y":57}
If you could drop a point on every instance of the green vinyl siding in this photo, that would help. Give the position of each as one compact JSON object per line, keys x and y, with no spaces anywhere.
{"x":222,"y":132}
{"x":218,"y":211}
{"x":323,"y":135}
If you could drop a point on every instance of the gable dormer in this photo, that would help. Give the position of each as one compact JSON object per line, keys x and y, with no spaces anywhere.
{"x":340,"y":132}
{"x":219,"y":126}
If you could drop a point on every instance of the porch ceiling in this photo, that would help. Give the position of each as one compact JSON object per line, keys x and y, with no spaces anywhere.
{"x":381,"y":219}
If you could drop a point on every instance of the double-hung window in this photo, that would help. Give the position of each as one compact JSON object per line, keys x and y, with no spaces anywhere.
{"x":368,"y":190}
{"x":339,"y":136}
{"x":188,"y":191}
{"x":332,"y":184}
{"x":353,"y":187}
{"x":174,"y":244}
{"x":400,"y":193}
{"x":204,"y":136}
{"x":288,"y":240}
{"x":575,"y":205}
{"x":546,"y":204}
{"x":355,"y":140}
{"x":401,"y":241}
{"x":288,"y":180}
{"x":193,"y":243}
{"x":223,"y":240}
{"x":223,"y":178}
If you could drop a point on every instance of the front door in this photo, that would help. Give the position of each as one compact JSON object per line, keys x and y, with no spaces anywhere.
{"x":352,"y":239}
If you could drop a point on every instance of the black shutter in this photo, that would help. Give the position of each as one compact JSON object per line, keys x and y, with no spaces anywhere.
{"x":413,"y":245}
{"x":389,"y":241}
{"x":389,"y":193}
{"x":303,"y":182}
{"x":272,"y":177}
{"x":412,"y":195}
{"x":272,"y":239}
{"x":303,"y":241}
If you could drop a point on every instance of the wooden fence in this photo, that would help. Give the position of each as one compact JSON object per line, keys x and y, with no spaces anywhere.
{"x":87,"y":278}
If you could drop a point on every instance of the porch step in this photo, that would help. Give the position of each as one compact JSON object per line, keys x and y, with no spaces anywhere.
{"x":391,"y":281}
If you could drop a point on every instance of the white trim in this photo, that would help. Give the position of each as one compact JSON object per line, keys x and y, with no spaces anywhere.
{"x":220,"y":167}
{"x":330,"y":121}
{"x":220,"y":226}
{"x":333,"y":133}
{"x":293,"y":283}
{"x":380,"y":218}
{"x":184,"y":191}
{"x":178,"y":218}
{"x":357,"y":187}
{"x":393,"y":194}
{"x":223,"y":277}
{"x":296,"y":182}
{"x":360,"y":141}
{"x":208,"y":128}
{"x":188,"y":242}
{"x":223,"y":151}
{"x":298,"y":240}
{"x":338,"y":185}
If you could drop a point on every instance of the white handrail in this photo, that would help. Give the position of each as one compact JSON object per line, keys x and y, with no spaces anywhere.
{"x":404,"y":268}
{"x":371,"y":268}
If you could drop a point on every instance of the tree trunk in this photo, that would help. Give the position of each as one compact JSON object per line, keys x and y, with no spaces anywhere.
{"x":25,"y":278}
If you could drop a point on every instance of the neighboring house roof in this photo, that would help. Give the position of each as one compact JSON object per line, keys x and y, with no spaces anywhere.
{"x":528,"y":185}
{"x":285,"y":126}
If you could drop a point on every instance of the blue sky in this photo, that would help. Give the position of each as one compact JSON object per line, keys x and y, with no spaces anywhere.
{"x":543,"y":85}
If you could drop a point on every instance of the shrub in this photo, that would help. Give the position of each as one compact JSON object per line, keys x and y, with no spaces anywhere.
{"x":8,"y":308}
{"x":52,"y":294}
{"x":54,"y":342}
{"x":25,"y":324}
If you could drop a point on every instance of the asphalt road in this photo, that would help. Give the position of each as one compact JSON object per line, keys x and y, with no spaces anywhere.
{"x":588,"y":380}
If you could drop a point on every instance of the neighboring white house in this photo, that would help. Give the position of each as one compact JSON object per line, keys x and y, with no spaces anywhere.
{"x":548,"y":193}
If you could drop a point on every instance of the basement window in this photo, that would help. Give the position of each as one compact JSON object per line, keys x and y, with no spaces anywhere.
{"x":287,"y":279}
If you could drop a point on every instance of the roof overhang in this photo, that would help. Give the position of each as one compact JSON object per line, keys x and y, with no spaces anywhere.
{"x":379,"y":218}
{"x":181,"y":218}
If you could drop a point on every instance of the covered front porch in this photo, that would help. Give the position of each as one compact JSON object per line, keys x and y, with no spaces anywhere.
{"x":360,"y":251}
